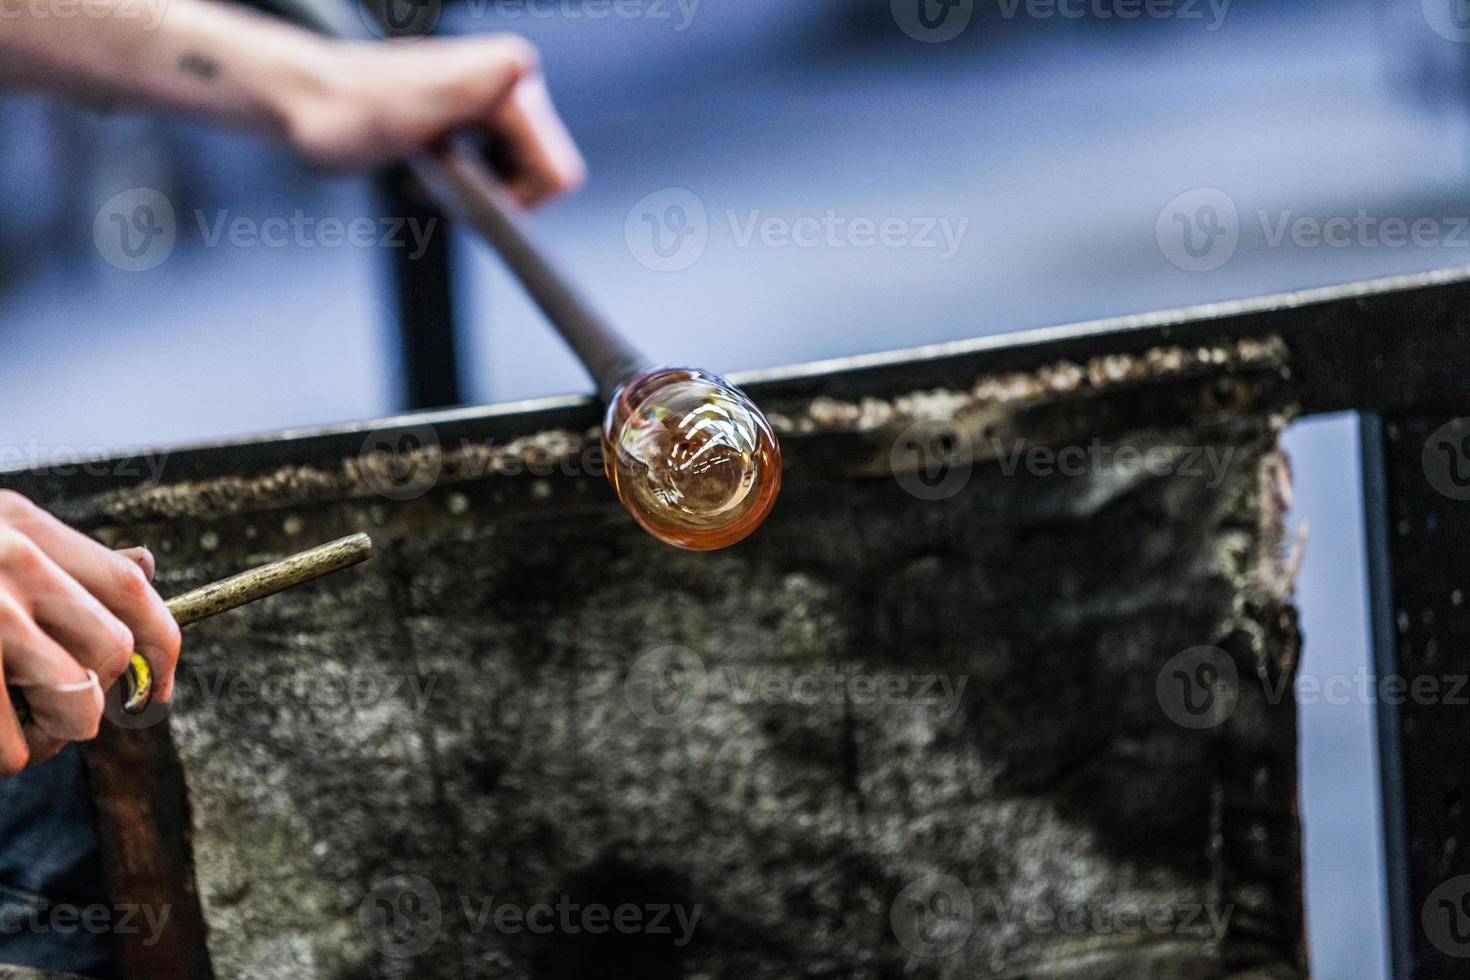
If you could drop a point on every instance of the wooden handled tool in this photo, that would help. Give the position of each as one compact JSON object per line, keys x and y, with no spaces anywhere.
{"x":227,"y":594}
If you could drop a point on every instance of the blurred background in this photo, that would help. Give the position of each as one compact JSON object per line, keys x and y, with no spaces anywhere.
{"x":1035,"y":163}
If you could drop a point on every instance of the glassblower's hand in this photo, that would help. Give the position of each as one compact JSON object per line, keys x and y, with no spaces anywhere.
{"x":71,"y":614}
{"x":374,"y":103}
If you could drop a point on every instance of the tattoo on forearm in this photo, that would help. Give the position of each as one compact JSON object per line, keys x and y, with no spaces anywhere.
{"x":199,"y":65}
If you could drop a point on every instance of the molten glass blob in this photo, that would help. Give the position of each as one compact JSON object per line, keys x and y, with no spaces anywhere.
{"x":691,"y":457}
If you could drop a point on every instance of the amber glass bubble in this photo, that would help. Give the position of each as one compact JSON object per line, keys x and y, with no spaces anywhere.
{"x":691,"y":457}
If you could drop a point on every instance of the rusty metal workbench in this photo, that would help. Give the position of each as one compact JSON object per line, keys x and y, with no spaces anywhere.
{"x":815,"y":841}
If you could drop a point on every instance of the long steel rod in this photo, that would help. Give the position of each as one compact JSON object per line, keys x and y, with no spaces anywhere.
{"x":463,"y":186}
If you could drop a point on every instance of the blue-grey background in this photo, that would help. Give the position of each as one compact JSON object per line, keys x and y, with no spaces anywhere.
{"x":1060,"y":140}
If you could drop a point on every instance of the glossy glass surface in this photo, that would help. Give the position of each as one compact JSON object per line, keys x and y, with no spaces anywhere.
{"x":691,"y":457}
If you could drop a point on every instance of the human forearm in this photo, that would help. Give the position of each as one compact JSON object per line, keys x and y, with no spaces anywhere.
{"x":189,"y":56}
{"x":339,"y":103}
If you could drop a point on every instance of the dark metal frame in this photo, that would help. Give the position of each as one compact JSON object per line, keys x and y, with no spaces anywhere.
{"x":1396,"y":350}
{"x":424,"y":301}
{"x":1419,"y":574}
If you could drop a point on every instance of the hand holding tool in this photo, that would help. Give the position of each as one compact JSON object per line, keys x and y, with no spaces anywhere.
{"x":227,"y":594}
